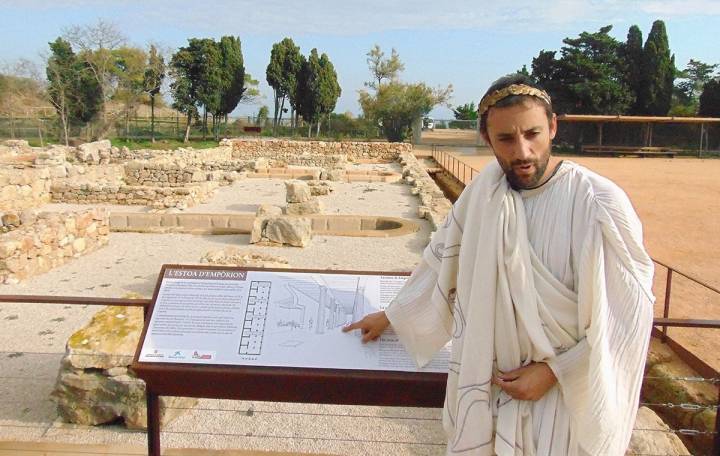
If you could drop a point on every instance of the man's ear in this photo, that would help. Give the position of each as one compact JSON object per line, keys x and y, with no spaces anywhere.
{"x":553,"y":126}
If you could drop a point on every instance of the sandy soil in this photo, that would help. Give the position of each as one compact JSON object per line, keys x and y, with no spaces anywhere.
{"x":678,"y":201}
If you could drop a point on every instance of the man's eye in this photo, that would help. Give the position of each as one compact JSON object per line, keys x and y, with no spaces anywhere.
{"x":532,"y":134}
{"x":506,"y":140}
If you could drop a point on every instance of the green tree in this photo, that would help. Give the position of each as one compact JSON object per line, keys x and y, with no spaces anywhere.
{"x":396,"y":105}
{"x":468,"y":111}
{"x":710,"y":99}
{"x":589,"y":76}
{"x":633,"y":56}
{"x":129,"y":73}
{"x":688,"y":89}
{"x":383,"y":68}
{"x":658,"y":69}
{"x":95,"y":44}
{"x":72,"y":87}
{"x":282,"y":75}
{"x":152,"y":82}
{"x":232,"y":85}
{"x":319,"y":89}
{"x":262,"y":116}
{"x":184,"y":86}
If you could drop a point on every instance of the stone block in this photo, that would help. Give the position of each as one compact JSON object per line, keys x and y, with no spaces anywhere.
{"x":142,"y":220}
{"x":268,"y":210}
{"x":118,"y":221}
{"x":314,"y":206}
{"x":294,"y":231}
{"x":297,"y":191}
{"x":195,"y":221}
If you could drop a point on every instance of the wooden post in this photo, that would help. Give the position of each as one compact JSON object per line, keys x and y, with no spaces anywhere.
{"x":153,"y":423}
{"x":42,"y":143}
{"x":600,"y":133}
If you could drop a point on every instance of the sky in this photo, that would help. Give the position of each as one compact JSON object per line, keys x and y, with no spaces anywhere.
{"x":466,"y":43}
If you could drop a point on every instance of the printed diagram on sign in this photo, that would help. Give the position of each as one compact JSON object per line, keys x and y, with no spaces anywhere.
{"x":291,"y":312}
{"x":319,"y":305}
{"x":253,"y":328}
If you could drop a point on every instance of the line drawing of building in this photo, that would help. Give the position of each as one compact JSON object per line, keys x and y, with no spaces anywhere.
{"x":314,"y":306}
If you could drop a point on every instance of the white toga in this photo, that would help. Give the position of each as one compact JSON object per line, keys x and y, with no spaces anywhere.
{"x":555,"y":274}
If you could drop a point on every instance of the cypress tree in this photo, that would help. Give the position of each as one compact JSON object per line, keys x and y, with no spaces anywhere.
{"x":658,"y":71}
{"x":633,"y":54}
{"x":233,"y":75}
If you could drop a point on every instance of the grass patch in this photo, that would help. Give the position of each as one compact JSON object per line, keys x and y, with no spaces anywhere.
{"x":162,"y":144}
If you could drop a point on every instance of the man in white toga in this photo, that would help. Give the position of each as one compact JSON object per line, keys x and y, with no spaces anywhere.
{"x":540,"y":279}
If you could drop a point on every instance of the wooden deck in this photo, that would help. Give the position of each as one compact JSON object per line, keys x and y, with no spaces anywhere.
{"x":65,"y":449}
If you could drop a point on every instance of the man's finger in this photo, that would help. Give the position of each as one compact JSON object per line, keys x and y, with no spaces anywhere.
{"x":351,"y":326}
{"x":512,"y":375}
{"x":510,"y":388}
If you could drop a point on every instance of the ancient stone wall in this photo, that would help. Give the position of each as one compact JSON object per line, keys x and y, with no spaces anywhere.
{"x":178,"y":172}
{"x":156,"y":197}
{"x":46,"y":240}
{"x":325,"y":154}
{"x":24,"y":187}
{"x":434,"y":206}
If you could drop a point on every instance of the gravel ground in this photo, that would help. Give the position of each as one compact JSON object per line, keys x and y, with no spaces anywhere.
{"x":32,"y":339}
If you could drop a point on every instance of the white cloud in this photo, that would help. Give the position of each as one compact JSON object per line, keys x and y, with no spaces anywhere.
{"x":352,"y":17}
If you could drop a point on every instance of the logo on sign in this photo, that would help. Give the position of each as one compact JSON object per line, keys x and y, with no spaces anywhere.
{"x":202,"y":355}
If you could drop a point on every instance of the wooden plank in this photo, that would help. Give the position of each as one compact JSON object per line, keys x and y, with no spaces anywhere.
{"x":66,"y":449}
{"x":686,"y":323}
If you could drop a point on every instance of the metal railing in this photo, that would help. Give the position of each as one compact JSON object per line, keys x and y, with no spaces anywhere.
{"x":461,"y":171}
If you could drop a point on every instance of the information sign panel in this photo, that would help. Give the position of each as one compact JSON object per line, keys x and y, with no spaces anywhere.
{"x":282,"y":318}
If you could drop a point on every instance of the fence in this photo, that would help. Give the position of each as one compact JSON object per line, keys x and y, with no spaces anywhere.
{"x":692,"y":139}
{"x":47,"y":129}
{"x":457,"y":168}
{"x":442,"y":124}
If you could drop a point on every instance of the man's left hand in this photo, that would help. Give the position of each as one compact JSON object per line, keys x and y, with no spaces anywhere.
{"x":528,"y":383}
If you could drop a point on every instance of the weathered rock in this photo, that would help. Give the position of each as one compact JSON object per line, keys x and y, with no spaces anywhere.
{"x":94,"y":385}
{"x":297,"y":191}
{"x":337,"y":175}
{"x":662,"y":370}
{"x":236,"y":257}
{"x":268,"y":210}
{"x":11,"y":219}
{"x":17,"y":143}
{"x":256,"y":234}
{"x":647,"y":437}
{"x":314,"y":206}
{"x":295,"y":231}
{"x":92,"y":152}
{"x":320,"y":188}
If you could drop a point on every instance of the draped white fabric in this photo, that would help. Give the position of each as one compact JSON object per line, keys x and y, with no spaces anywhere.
{"x":556,"y":274}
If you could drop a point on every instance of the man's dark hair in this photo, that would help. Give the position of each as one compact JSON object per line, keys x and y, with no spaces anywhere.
{"x":513,"y":100}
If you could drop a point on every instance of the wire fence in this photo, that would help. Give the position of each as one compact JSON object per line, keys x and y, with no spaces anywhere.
{"x":48,"y":129}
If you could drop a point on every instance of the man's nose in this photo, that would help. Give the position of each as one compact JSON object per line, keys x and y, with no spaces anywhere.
{"x":523,"y":149}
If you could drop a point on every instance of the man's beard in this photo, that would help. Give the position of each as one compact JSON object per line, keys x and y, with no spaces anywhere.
{"x":523,"y":183}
